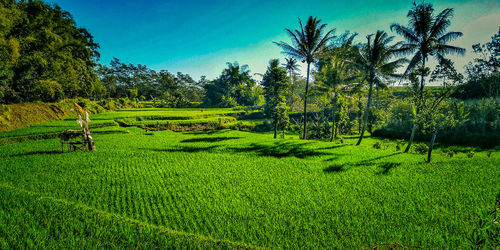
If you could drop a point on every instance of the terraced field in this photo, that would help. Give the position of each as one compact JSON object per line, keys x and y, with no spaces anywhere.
{"x":226,"y":188}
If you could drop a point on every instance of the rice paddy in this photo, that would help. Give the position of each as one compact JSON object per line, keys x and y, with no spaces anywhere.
{"x":233,"y":189}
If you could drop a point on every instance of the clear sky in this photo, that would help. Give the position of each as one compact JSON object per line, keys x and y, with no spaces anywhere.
{"x":199,"y":37}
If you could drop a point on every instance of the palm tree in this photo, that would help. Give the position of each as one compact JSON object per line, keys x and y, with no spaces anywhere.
{"x":373,"y":63}
{"x":426,"y":36}
{"x":306,"y":45}
{"x":291,"y":66}
{"x":336,"y":73}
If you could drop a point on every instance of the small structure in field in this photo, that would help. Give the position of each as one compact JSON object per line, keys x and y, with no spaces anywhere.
{"x":68,"y":136}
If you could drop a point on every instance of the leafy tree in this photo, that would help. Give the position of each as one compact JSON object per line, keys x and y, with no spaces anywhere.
{"x":434,"y":116}
{"x":426,"y":36}
{"x":336,"y":74}
{"x":307,"y":43}
{"x":276,"y":84}
{"x":483,"y":75}
{"x":235,"y":84}
{"x":42,"y":52}
{"x":373,"y":62}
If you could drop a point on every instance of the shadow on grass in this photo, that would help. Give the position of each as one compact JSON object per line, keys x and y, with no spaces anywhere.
{"x":204,"y":132}
{"x":276,"y":150}
{"x":386,"y":166}
{"x":281,"y":149}
{"x":183,"y":149}
{"x":210,"y":139}
{"x":334,"y":169}
{"x":39,"y":153}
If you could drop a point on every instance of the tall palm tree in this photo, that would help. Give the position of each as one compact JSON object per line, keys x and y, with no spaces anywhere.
{"x":373,"y":63}
{"x":307,"y":43}
{"x":426,"y":36}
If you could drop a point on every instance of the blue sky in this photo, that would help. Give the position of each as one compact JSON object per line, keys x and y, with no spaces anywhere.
{"x":199,"y":37}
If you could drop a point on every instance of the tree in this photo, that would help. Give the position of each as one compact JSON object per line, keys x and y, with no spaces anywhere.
{"x":373,"y":63}
{"x":276,"y":84}
{"x":483,"y":75}
{"x":42,"y":50}
{"x":426,"y":36}
{"x":233,"y":87}
{"x":336,"y":73}
{"x":291,"y":66}
{"x":307,"y":43}
{"x":433,"y":116}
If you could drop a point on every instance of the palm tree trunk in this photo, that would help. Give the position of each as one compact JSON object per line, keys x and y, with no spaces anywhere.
{"x":365,"y":115}
{"x":414,"y":129}
{"x":304,"y":136}
{"x":333,"y":124}
{"x":429,"y":153}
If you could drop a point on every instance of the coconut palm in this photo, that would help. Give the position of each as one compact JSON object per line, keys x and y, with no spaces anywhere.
{"x":291,"y":66}
{"x":426,"y":36}
{"x":307,"y":43}
{"x":373,"y":63}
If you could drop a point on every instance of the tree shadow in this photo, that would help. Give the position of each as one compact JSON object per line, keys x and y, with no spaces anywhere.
{"x":334,"y":169}
{"x":39,"y":153}
{"x":210,"y":139}
{"x":386,"y":167}
{"x":183,"y":149}
{"x":204,"y":132}
{"x":281,"y":150}
{"x":332,"y":147}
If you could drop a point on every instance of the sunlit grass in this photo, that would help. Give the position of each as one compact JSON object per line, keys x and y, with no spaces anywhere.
{"x":241,"y":187}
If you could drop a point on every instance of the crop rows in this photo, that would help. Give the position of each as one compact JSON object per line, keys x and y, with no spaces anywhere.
{"x":246,"y":187}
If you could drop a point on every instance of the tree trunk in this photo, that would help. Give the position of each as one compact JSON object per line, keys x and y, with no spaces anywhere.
{"x":275,"y":127}
{"x":429,"y":153}
{"x":304,"y":136}
{"x":414,"y":129}
{"x":365,"y":115}
{"x":333,"y":124}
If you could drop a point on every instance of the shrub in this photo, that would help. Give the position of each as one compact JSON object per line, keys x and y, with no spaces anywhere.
{"x":377,"y":145}
{"x":470,"y":154}
{"x":420,"y":148}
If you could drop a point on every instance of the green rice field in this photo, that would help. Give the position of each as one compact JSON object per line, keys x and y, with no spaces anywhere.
{"x":234,"y":189}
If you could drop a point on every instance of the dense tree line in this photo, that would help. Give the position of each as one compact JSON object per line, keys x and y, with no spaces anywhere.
{"x":122,"y":80}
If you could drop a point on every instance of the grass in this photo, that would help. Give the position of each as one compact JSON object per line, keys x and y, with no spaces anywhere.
{"x":233,"y":189}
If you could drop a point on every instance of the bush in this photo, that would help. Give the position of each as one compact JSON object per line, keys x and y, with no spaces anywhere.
{"x":377,"y":145}
{"x":420,"y":148}
{"x":470,"y":154}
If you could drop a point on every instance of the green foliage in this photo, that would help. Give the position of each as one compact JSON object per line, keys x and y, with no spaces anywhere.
{"x":486,"y":235}
{"x":276,"y":85}
{"x":43,"y":55}
{"x":234,"y":87}
{"x":483,"y":75}
{"x":420,"y":148}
